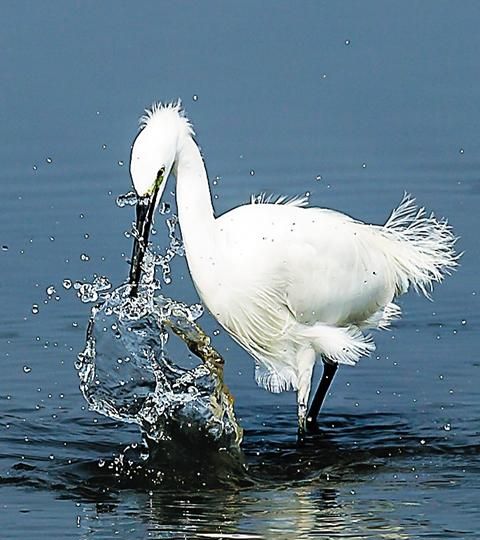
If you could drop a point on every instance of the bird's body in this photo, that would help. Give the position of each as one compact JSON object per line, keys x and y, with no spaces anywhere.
{"x":293,"y":283}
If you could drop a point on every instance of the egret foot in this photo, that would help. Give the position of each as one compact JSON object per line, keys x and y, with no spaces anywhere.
{"x":311,"y":425}
{"x":306,"y":428}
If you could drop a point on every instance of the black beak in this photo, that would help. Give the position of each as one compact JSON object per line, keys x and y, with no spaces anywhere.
{"x":145,"y":209}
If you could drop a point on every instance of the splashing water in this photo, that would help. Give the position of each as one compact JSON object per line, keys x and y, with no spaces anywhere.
{"x":125,"y":373}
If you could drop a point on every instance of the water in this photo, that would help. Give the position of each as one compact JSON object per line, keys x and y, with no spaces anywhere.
{"x":126,"y":375}
{"x":277,"y":92}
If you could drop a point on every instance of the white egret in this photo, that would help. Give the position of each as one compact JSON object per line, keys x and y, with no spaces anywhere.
{"x":290,"y":283}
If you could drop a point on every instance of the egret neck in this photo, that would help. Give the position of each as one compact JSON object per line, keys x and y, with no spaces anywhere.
{"x":195,"y":210}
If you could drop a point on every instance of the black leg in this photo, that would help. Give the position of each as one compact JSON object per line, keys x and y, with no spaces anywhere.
{"x":329,"y":371}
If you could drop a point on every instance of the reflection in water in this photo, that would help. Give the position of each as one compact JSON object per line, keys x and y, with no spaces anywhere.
{"x":328,"y":487}
{"x":304,"y":511}
{"x":347,"y":482}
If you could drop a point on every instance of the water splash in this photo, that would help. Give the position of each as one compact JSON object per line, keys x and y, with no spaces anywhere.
{"x":126,"y":374}
{"x":127,"y":199}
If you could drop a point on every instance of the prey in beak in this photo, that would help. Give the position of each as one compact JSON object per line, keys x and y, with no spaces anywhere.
{"x":145,"y":210}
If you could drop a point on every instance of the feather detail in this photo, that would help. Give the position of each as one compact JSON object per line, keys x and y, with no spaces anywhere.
{"x":161,"y":111}
{"x":275,"y":380}
{"x":383,"y":318}
{"x":262,"y":324}
{"x":342,"y":345}
{"x":258,"y":327}
{"x":300,"y":201}
{"x":423,"y":247}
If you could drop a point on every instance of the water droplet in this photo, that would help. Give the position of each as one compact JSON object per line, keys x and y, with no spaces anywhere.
{"x":252,"y":172}
{"x":4,"y":248}
{"x":464,"y":322}
{"x":461,"y":151}
{"x":86,"y":236}
{"x":324,"y":75}
{"x":34,"y":167}
{"x":84,"y":257}
{"x":422,"y":441}
{"x":128,"y":199}
{"x":447,"y":427}
{"x":216,"y":332}
{"x":318,"y":177}
{"x":101,"y":463}
{"x":101,"y":283}
{"x":35,"y":309}
{"x":347,"y":42}
{"x":67,"y":283}
{"x":104,"y":146}
{"x":364,"y":165}
{"x":164,"y":208}
{"x":195,"y":97}
{"x":195,"y":311}
{"x":52,"y":238}
{"x":87,"y":293}
{"x":27,"y":369}
{"x":49,"y":160}
{"x":120,"y":163}
{"x":51,"y":290}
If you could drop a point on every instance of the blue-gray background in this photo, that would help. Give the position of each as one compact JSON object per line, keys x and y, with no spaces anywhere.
{"x":373,"y":97}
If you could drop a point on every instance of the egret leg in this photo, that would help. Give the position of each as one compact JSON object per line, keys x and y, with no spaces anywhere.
{"x":329,"y":371}
{"x":305,"y":364}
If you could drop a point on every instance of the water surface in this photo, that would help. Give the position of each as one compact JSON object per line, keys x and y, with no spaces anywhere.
{"x":353,"y":103}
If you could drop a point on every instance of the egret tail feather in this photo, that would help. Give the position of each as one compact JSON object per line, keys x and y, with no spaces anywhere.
{"x":422,"y":250}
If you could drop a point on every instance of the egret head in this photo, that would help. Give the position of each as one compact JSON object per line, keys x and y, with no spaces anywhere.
{"x":154,"y":151}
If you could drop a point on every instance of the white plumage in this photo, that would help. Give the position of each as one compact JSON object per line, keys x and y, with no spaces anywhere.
{"x":289,"y":282}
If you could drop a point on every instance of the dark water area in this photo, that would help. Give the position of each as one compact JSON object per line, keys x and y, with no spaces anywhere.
{"x":352,"y":102}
